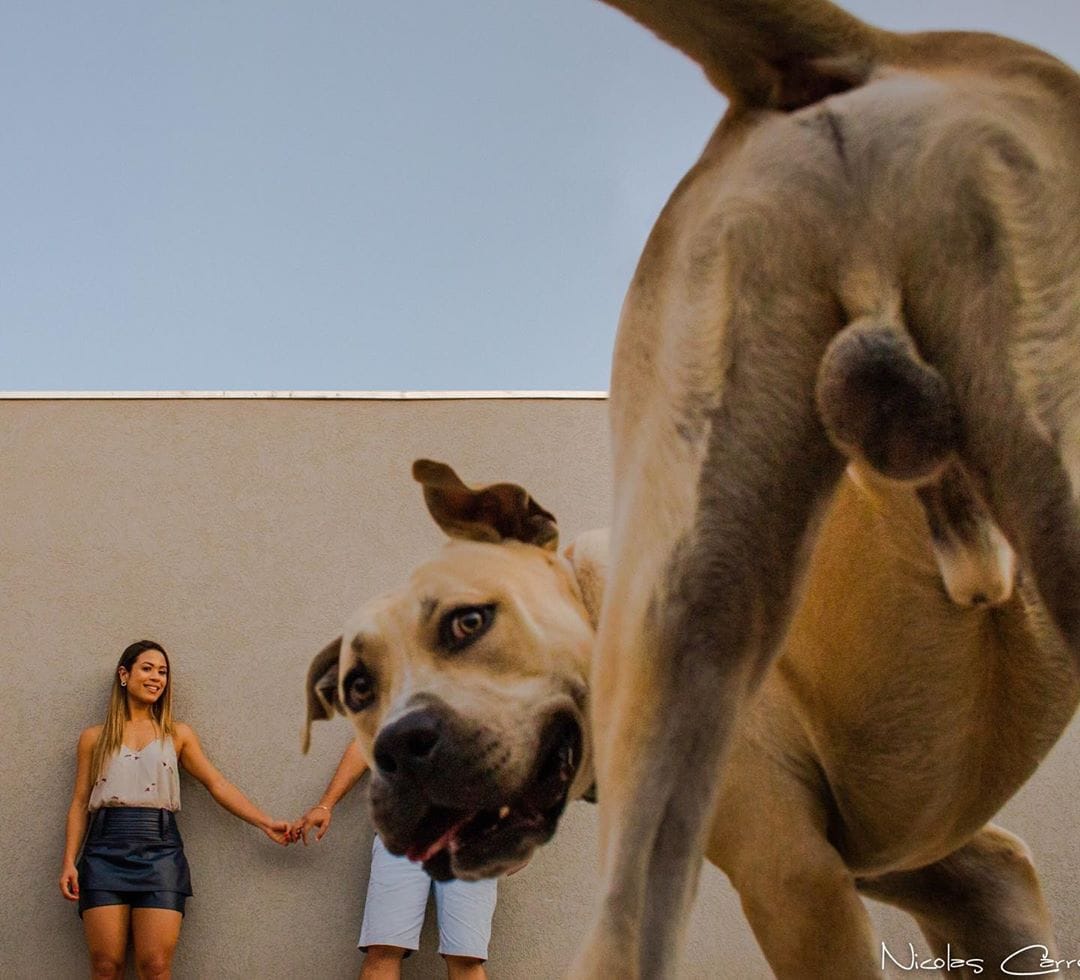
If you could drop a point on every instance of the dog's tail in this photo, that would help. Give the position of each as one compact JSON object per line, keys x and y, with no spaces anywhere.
{"x":781,"y":54}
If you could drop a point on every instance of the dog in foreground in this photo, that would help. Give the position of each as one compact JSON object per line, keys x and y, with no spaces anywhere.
{"x":840,"y":615}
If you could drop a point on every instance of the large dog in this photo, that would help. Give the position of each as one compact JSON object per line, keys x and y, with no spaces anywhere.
{"x":874,"y":263}
{"x":896,"y":720}
{"x":880,"y":221}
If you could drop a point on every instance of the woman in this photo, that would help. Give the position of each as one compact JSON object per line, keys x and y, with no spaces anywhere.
{"x":132,"y":874}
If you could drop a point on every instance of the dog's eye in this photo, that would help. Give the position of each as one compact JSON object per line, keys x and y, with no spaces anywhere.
{"x":461,"y":626}
{"x":359,"y":689}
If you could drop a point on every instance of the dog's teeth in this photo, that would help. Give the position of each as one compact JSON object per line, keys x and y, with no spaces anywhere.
{"x":504,"y":812}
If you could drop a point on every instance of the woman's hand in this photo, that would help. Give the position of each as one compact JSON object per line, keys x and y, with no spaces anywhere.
{"x":78,"y":817}
{"x":316,"y":819}
{"x":69,"y":882}
{"x":278,"y":831}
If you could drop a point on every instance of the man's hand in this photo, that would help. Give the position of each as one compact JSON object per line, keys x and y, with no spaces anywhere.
{"x":317,"y":819}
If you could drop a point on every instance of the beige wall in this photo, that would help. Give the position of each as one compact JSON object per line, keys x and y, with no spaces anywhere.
{"x":240,"y":533}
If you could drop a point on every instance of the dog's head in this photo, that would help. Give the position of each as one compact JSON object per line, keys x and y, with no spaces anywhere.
{"x":468,"y":686}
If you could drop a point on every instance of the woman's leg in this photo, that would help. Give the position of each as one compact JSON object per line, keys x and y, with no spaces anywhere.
{"x":106,"y":929}
{"x":155,"y":932}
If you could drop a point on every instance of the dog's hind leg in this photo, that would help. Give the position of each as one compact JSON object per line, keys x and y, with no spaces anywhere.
{"x":1026,"y":486}
{"x":983,"y":902}
{"x":770,"y":836}
{"x":990,"y":298}
{"x":718,"y":488}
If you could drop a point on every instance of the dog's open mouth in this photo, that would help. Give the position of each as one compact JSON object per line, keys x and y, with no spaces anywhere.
{"x":448,"y":836}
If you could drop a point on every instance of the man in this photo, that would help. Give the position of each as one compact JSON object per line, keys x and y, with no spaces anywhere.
{"x":397,"y":897}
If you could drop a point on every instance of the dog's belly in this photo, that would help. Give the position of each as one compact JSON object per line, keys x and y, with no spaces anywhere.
{"x":922,"y":718}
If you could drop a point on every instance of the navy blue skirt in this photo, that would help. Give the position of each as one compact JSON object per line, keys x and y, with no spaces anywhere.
{"x":132,"y":850}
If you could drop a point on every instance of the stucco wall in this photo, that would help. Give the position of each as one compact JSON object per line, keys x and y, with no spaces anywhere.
{"x":240,"y":533}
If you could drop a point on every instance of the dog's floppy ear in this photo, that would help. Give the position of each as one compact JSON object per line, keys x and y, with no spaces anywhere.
{"x":499,"y":512}
{"x":322,"y":689}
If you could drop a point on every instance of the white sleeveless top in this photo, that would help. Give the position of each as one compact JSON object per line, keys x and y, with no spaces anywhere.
{"x":148,"y":778}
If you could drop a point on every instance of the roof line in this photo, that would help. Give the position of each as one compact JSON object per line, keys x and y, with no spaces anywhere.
{"x":298,"y":395}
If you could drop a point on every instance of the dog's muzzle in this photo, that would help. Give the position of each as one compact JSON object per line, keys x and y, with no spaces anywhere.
{"x":437,"y":797}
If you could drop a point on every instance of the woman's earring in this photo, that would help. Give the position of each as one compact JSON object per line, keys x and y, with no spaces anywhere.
{"x":123,"y":683}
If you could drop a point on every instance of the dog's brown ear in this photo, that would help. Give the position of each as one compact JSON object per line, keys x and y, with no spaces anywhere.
{"x":498,"y":512}
{"x":322,"y":689}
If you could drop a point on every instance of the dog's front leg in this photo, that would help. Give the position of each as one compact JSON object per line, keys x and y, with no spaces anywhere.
{"x":717,"y":494}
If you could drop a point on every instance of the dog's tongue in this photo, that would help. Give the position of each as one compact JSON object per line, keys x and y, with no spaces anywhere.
{"x":427,"y":853}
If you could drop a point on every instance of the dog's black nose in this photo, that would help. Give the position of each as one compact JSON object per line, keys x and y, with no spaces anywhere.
{"x":408,"y":747}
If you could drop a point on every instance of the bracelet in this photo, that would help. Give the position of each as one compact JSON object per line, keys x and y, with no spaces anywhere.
{"x":319,"y":806}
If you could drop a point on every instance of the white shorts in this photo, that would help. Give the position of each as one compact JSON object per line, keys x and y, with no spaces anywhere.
{"x":397,"y":896}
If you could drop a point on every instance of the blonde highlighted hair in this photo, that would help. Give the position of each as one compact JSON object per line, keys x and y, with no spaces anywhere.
{"x":112,"y":733}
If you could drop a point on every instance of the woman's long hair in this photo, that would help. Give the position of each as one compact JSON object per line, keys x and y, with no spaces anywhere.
{"x":112,"y":734}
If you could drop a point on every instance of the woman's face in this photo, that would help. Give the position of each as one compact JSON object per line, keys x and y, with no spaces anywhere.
{"x":147,"y":678}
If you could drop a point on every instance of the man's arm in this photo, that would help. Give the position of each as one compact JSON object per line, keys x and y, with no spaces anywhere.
{"x":349,"y":770}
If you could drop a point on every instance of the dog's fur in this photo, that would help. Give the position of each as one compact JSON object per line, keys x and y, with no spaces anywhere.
{"x":463,"y":726}
{"x":892,"y":726}
{"x":873,"y":267}
{"x":908,"y":202}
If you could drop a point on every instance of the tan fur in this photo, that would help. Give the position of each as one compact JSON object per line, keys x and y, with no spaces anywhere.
{"x":869,"y":759}
{"x":930,"y":184}
{"x":493,"y":698}
{"x":780,"y":680}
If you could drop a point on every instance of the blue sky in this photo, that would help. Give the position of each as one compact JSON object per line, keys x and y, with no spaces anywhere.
{"x":347,"y":196}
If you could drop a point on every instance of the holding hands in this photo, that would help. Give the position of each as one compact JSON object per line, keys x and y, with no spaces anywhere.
{"x":278,"y":831}
{"x":316,"y":820}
